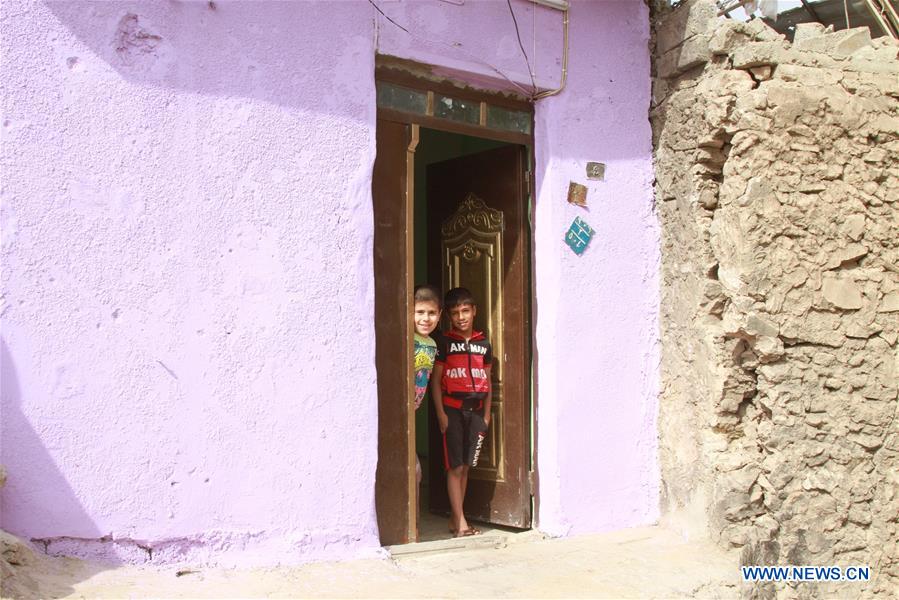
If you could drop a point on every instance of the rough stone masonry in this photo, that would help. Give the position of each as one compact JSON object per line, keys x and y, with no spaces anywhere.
{"x":777,"y":168}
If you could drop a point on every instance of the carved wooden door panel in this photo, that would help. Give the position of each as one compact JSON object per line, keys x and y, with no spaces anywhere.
{"x":478,"y":238}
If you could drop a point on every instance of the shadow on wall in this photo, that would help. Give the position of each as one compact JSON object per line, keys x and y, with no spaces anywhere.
{"x":285,"y":53}
{"x":37,"y":491}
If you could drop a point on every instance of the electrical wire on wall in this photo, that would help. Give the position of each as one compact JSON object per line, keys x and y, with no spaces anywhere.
{"x":452,"y":47}
{"x":564,"y":79}
{"x":520,"y":45}
{"x":530,"y":95}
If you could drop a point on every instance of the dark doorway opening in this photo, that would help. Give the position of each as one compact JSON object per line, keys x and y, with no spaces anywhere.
{"x":435,"y":147}
{"x":451,"y":207}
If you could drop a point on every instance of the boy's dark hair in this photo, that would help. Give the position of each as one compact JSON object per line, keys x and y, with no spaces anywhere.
{"x":457,"y":297}
{"x":427,"y":293}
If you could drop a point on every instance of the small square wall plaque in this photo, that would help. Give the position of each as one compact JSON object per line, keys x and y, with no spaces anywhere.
{"x":579,"y":236}
{"x":596,"y":170}
{"x":577,"y":194}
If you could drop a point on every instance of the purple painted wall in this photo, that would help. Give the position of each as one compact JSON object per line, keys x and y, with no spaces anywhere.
{"x":188,"y":353}
{"x":597,"y":315}
{"x":187,"y":277}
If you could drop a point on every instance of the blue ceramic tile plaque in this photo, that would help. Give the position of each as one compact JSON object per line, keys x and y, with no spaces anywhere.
{"x":579,"y":235}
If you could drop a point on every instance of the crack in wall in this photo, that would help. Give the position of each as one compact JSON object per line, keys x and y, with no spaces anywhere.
{"x":47,"y":544}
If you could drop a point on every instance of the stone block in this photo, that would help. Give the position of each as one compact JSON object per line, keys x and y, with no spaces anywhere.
{"x":750,"y":121}
{"x":800,"y":147}
{"x":760,"y":31}
{"x":860,"y":513}
{"x":842,"y":293}
{"x":725,"y":83}
{"x":860,"y":330}
{"x":811,"y":187}
{"x":851,"y":252}
{"x":885,"y":83}
{"x":854,"y":226}
{"x":768,"y":348}
{"x":740,"y":480}
{"x":736,"y":323}
{"x":761,"y":73}
{"x":757,"y":191}
{"x":866,"y":440}
{"x":816,"y":328}
{"x":789,"y":101}
{"x":877,"y":155}
{"x":757,"y":54}
{"x":889,"y":303}
{"x":840,"y":44}
{"x":727,"y":37}
{"x":801,"y":130}
{"x":687,"y":20}
{"x":805,"y":31}
{"x":877,"y":55}
{"x":885,"y":393}
{"x":886,"y":124}
{"x":859,"y":64}
{"x":708,"y":199}
{"x":852,"y":41}
{"x":692,"y":53}
{"x":820,"y":479}
{"x":809,"y":75}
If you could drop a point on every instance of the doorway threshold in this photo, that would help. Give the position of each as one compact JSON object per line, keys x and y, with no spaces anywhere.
{"x":491,"y":538}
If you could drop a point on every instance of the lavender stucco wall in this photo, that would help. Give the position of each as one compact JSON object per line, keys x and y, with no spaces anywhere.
{"x":188,"y":356}
{"x":187,"y":277}
{"x":597,"y":325}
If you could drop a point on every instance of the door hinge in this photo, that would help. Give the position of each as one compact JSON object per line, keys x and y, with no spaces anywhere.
{"x":527,"y":179}
{"x":532,"y":481}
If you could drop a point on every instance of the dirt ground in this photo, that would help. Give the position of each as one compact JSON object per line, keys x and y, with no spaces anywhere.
{"x":636,"y":563}
{"x":649,"y":562}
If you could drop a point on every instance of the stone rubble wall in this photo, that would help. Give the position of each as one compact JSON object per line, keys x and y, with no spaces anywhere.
{"x":777,"y":169}
{"x":16,"y":562}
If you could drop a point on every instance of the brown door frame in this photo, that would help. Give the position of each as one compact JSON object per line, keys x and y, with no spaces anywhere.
{"x":394,"y":483}
{"x":405,"y":73}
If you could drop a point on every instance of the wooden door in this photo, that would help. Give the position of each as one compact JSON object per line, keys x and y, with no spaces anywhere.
{"x":395,"y":488}
{"x":478,"y":238}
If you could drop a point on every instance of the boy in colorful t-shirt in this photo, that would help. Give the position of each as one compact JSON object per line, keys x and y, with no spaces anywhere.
{"x":425,"y":316}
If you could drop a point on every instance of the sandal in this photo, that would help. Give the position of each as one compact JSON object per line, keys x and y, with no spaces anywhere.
{"x":467,"y":532}
{"x":453,"y":530}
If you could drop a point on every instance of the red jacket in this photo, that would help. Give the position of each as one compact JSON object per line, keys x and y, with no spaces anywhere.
{"x":466,"y":378}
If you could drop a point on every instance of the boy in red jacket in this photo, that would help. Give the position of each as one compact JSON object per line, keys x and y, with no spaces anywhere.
{"x":462,"y":394}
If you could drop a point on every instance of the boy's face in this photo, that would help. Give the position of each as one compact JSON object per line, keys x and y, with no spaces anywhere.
{"x":426,"y":316}
{"x":462,"y":317}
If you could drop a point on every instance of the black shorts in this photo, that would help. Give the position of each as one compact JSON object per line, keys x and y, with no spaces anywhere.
{"x":463,"y":437}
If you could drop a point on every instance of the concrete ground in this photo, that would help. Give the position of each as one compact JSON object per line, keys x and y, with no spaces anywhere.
{"x":637,"y":563}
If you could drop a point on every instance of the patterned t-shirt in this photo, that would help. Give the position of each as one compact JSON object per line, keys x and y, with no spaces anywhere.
{"x":423,"y":359}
